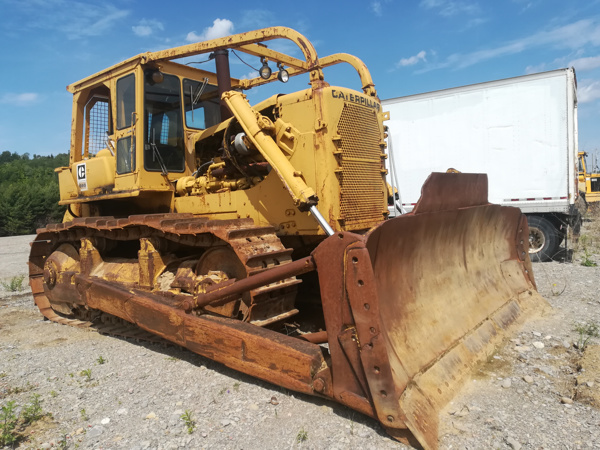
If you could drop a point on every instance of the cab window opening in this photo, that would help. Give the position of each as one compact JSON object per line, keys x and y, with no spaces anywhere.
{"x":163,"y":134}
{"x":201,"y":104}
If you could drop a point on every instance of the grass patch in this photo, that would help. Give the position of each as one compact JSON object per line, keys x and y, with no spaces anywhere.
{"x":87,"y":373}
{"x":586,"y":260}
{"x":32,"y":411}
{"x":19,"y":389}
{"x":8,"y":424}
{"x":189,"y":421}
{"x":301,"y":436}
{"x":11,"y":423}
{"x":15,"y":284}
{"x":586,"y":332}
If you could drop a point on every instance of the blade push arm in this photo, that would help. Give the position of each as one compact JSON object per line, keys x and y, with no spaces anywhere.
{"x":258,"y":127}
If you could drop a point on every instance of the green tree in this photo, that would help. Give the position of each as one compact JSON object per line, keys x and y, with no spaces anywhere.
{"x":29,"y":192}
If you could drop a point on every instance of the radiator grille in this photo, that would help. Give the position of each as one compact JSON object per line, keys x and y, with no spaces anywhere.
{"x":361,"y":180}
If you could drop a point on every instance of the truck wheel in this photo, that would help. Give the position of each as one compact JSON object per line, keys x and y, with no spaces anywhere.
{"x":543,"y":239}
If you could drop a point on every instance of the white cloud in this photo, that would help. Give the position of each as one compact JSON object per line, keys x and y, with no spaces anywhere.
{"x":147,"y":27}
{"x":24,"y":99}
{"x":477,"y":21}
{"x":449,"y":8}
{"x":193,"y":37}
{"x":377,"y":6}
{"x":536,"y":68}
{"x":588,"y":91}
{"x":142,"y":30}
{"x":583,"y":64}
{"x":249,"y":75}
{"x":255,"y":19}
{"x":412,"y":60}
{"x":76,"y":19}
{"x":219,"y":28}
{"x":93,"y":21}
{"x":571,"y":36}
{"x":526,"y":4}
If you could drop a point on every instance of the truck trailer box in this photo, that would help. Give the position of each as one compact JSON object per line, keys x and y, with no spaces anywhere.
{"x":521,"y":132}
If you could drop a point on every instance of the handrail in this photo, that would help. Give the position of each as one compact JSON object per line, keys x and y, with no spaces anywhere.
{"x":249,"y":42}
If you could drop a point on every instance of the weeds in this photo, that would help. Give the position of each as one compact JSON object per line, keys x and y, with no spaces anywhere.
{"x":586,"y":332}
{"x":9,"y":419}
{"x":15,"y":284}
{"x":586,"y":243}
{"x":8,"y":423}
{"x":84,"y":415}
{"x":87,"y":373}
{"x":32,"y":411}
{"x":556,"y":291}
{"x":20,"y":389}
{"x":190,"y":423}
{"x":62,"y":443}
{"x":351,"y":419}
{"x":236,"y":386}
{"x":100,"y":360}
{"x":587,"y":261}
{"x":301,"y":436}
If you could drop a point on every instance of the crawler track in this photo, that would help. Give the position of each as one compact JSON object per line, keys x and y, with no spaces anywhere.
{"x":258,"y":248}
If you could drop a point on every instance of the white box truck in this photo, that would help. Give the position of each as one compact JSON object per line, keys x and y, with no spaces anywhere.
{"x":521,"y":131}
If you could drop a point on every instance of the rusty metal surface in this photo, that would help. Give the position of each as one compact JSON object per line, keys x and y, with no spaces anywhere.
{"x":319,"y":337}
{"x":266,"y":354}
{"x":284,"y":360}
{"x":450,"y":191}
{"x":449,"y":283}
{"x":264,"y":278}
{"x":257,"y":248}
{"x":330,"y":259}
{"x":363,"y":297}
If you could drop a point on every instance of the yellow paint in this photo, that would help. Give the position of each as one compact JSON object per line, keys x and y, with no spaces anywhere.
{"x":323,"y":145}
{"x":586,"y":180}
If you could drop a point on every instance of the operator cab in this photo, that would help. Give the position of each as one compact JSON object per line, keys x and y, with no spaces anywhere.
{"x":121,"y":146}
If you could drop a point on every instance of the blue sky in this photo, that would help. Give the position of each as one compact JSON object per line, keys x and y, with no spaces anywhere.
{"x":409,"y":47}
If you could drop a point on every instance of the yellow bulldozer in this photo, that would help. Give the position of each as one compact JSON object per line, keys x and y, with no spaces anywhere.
{"x":589,"y":181}
{"x":258,"y":235}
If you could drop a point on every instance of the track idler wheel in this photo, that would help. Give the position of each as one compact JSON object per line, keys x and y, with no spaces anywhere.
{"x":220,"y":264}
{"x":59,"y":271}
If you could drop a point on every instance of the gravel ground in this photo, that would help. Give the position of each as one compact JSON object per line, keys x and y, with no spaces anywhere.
{"x":536,"y":391}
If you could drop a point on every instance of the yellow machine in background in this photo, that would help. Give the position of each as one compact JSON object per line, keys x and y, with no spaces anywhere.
{"x":589,"y":183}
{"x":209,"y":221}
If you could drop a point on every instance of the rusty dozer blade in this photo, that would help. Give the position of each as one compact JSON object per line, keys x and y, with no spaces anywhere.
{"x":425,"y":297}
